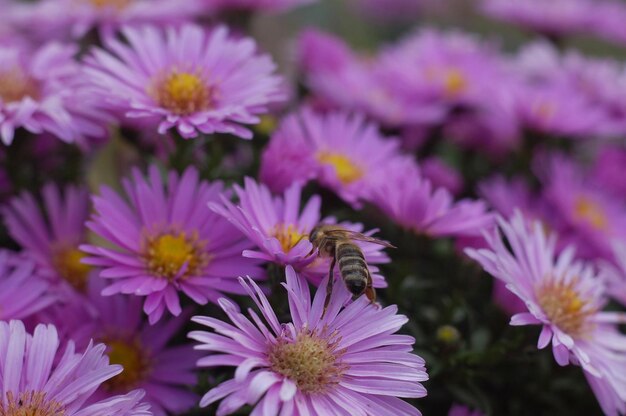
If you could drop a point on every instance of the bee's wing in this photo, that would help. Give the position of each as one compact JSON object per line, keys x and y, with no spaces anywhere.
{"x":354,"y":235}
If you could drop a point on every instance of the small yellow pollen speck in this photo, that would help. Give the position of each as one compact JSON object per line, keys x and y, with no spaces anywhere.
{"x":67,"y":262}
{"x":590,"y":211}
{"x":345,"y":169}
{"x":30,"y":403}
{"x":454,"y":82}
{"x":565,"y":308}
{"x":130,"y":355}
{"x":544,"y":110}
{"x":112,"y":4}
{"x":173,"y":255}
{"x":15,"y":85}
{"x":182,"y":93}
{"x":310,"y":361}
{"x":288,"y":236}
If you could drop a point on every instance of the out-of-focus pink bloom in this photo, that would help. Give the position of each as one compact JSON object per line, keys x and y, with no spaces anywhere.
{"x":566,"y":298}
{"x":318,"y":363}
{"x":608,"y":170}
{"x":214,"y":6}
{"x":342,"y":152}
{"x":65,"y":19}
{"x":415,"y":204}
{"x":167,"y":241}
{"x":51,"y":236}
{"x":22,"y":291}
{"x":585,"y":214}
{"x":552,"y":18}
{"x":441,"y":175}
{"x":188,"y":79}
{"x":45,"y":91}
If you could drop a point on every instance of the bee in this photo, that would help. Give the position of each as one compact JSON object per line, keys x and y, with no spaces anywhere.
{"x":338,"y":243}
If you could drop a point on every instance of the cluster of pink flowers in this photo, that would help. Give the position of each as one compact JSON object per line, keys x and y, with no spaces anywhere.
{"x":151,"y":263}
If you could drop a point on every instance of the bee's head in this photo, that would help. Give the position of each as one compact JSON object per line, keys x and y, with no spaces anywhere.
{"x":314,"y":234}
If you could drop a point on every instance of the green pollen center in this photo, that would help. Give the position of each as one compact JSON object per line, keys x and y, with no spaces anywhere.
{"x":310,"y":361}
{"x":30,"y":404}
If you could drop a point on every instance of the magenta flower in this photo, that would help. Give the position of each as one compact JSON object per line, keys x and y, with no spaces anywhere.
{"x":167,"y":241}
{"x":214,"y":6}
{"x":195,"y":80}
{"x":412,"y":202}
{"x":44,"y":91}
{"x":607,"y":169}
{"x":38,"y":380}
{"x":22,"y":291}
{"x":586,"y":215}
{"x":348,"y":81}
{"x":319,"y":363}
{"x":553,"y":18}
{"x":344,"y":153}
{"x":280,"y":230}
{"x":566,"y":298}
{"x":150,"y":363}
{"x":77,"y":17}
{"x":440,"y":174}
{"x":51,"y":237}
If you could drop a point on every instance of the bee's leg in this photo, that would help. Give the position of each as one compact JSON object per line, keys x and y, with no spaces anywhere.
{"x":331,"y":281}
{"x":369,"y":289}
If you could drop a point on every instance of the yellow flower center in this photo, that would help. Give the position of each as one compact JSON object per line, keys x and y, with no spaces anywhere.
{"x":345,"y":169}
{"x":454,"y":82}
{"x":591,"y":212}
{"x":30,"y":404}
{"x":563,"y":306}
{"x":110,"y":4}
{"x":312,"y":362}
{"x":288,"y":236}
{"x":131,"y":356}
{"x":183,"y":93}
{"x":67,"y":262}
{"x":15,"y":85}
{"x":175,"y":255}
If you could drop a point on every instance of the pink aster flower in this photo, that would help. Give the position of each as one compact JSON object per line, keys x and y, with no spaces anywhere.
{"x":44,"y":91}
{"x":588,"y":216}
{"x":150,"y":363}
{"x":22,"y":291}
{"x":167,"y":241}
{"x":553,"y":18}
{"x":607,"y":169}
{"x":413,"y":203}
{"x":76,"y":17}
{"x":37,"y":379}
{"x":344,"y":153}
{"x":565,"y":297}
{"x":280,"y":229}
{"x":319,"y":363}
{"x":253,"y":5}
{"x":191,"y":79}
{"x":352,"y":82}
{"x":51,"y":237}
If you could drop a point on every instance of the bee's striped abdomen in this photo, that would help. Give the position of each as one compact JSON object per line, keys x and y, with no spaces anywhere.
{"x":352,"y":267}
